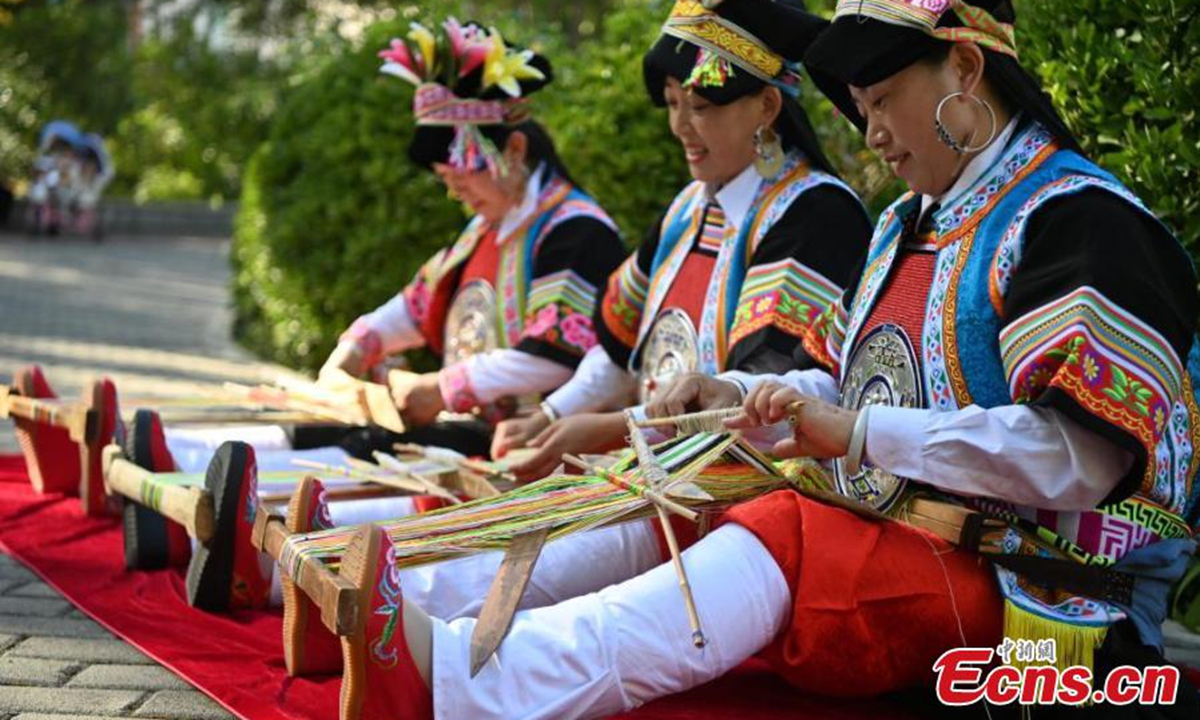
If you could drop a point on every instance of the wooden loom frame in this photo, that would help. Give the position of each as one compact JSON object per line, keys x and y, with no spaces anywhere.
{"x":336,"y":597}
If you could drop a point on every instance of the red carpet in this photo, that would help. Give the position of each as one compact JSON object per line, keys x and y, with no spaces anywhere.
{"x":238,"y":661}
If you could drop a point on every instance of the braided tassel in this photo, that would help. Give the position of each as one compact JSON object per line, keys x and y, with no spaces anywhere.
{"x":471,"y":151}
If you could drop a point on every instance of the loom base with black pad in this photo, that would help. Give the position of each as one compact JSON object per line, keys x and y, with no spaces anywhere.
{"x":210,"y":573}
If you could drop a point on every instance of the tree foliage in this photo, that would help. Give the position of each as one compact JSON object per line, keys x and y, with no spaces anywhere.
{"x":1127,"y":79}
{"x":200,"y":111}
{"x":67,"y":59}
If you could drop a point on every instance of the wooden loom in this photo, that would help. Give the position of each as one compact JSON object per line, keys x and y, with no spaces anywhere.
{"x":294,"y":403}
{"x":76,"y":418}
{"x":182,"y":498}
{"x":337,"y":598}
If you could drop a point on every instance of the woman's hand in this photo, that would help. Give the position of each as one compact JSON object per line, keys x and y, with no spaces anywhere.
{"x":822,"y":430}
{"x":517,"y":433}
{"x":693,"y":392}
{"x":587,"y":433}
{"x":346,"y":359}
{"x":420,"y":400}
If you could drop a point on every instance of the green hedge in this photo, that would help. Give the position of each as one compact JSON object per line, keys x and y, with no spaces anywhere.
{"x":1127,"y":78}
{"x":616,"y":143}
{"x":334,"y":220}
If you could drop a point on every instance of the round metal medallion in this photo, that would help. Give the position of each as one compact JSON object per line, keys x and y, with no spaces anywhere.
{"x":470,"y":322}
{"x":883,"y":371}
{"x":672,"y":348}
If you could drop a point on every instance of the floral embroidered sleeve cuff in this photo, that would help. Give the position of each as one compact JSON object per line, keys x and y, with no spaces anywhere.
{"x":457,"y":391}
{"x":485,"y":378}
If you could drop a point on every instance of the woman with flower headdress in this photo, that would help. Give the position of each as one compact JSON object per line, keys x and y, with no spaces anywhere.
{"x":738,"y":266}
{"x":508,"y":305}
{"x":1011,"y":376}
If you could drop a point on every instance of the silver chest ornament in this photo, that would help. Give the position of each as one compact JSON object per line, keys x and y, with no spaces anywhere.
{"x":671,"y":348}
{"x":883,"y":370}
{"x":470,"y":322}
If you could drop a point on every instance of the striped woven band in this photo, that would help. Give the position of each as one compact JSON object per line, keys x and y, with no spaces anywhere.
{"x":692,"y":22}
{"x":978,"y":24}
{"x":437,"y":105}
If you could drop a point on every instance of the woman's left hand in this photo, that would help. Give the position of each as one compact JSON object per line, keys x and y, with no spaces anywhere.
{"x":420,"y":401}
{"x":822,"y":429}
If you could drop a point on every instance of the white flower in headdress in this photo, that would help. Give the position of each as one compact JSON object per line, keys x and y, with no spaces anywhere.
{"x":505,"y":68}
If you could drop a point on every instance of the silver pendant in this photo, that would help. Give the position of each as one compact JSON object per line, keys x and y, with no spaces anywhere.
{"x":883,"y":370}
{"x":672,"y":348}
{"x":470,"y":322}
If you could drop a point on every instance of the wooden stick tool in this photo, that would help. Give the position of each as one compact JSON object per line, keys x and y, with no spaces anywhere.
{"x":656,"y":476}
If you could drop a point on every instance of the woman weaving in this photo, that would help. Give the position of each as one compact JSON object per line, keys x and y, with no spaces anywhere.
{"x":509,"y":304}
{"x":739,"y":265}
{"x":1030,"y":323}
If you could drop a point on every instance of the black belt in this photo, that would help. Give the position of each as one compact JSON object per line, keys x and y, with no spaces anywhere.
{"x":1093,"y":581}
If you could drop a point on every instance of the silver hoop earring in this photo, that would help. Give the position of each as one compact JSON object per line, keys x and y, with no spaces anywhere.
{"x":944,"y":132}
{"x":768,"y":152}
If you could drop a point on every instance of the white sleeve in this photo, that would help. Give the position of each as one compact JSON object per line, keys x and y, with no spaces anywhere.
{"x":1028,"y":455}
{"x":598,"y":384}
{"x":496,"y":374}
{"x":392,"y":322}
{"x":814,"y":383}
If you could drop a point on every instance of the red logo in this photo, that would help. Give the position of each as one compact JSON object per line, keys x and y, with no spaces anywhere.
{"x":967,"y":675}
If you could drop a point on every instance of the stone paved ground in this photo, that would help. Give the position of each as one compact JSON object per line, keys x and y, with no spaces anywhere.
{"x":154,"y":314}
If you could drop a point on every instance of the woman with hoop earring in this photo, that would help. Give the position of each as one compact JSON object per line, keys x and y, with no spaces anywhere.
{"x":1020,"y":345}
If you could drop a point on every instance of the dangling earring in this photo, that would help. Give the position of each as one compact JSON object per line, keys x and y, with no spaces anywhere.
{"x":768,"y":152}
{"x":948,"y":139}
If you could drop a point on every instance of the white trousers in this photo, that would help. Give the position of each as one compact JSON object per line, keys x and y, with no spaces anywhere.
{"x":609,"y":651}
{"x":193,"y":448}
{"x":568,"y":567}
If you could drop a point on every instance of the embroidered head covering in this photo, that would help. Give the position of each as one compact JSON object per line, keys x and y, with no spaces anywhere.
{"x":468,"y":79}
{"x":724,"y":51}
{"x":871,"y":40}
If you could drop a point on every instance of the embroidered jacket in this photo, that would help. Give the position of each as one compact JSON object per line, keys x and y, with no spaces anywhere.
{"x":804,"y":234}
{"x":546,"y":282}
{"x":1054,"y":285}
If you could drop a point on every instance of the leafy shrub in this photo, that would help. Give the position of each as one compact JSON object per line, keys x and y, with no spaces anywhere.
{"x":616,"y":143}
{"x":1127,"y":78}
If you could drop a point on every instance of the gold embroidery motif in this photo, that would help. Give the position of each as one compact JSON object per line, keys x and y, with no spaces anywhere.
{"x":690,"y":21}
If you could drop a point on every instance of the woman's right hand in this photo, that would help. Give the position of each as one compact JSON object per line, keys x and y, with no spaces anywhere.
{"x":517,"y":432}
{"x":820,"y":429}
